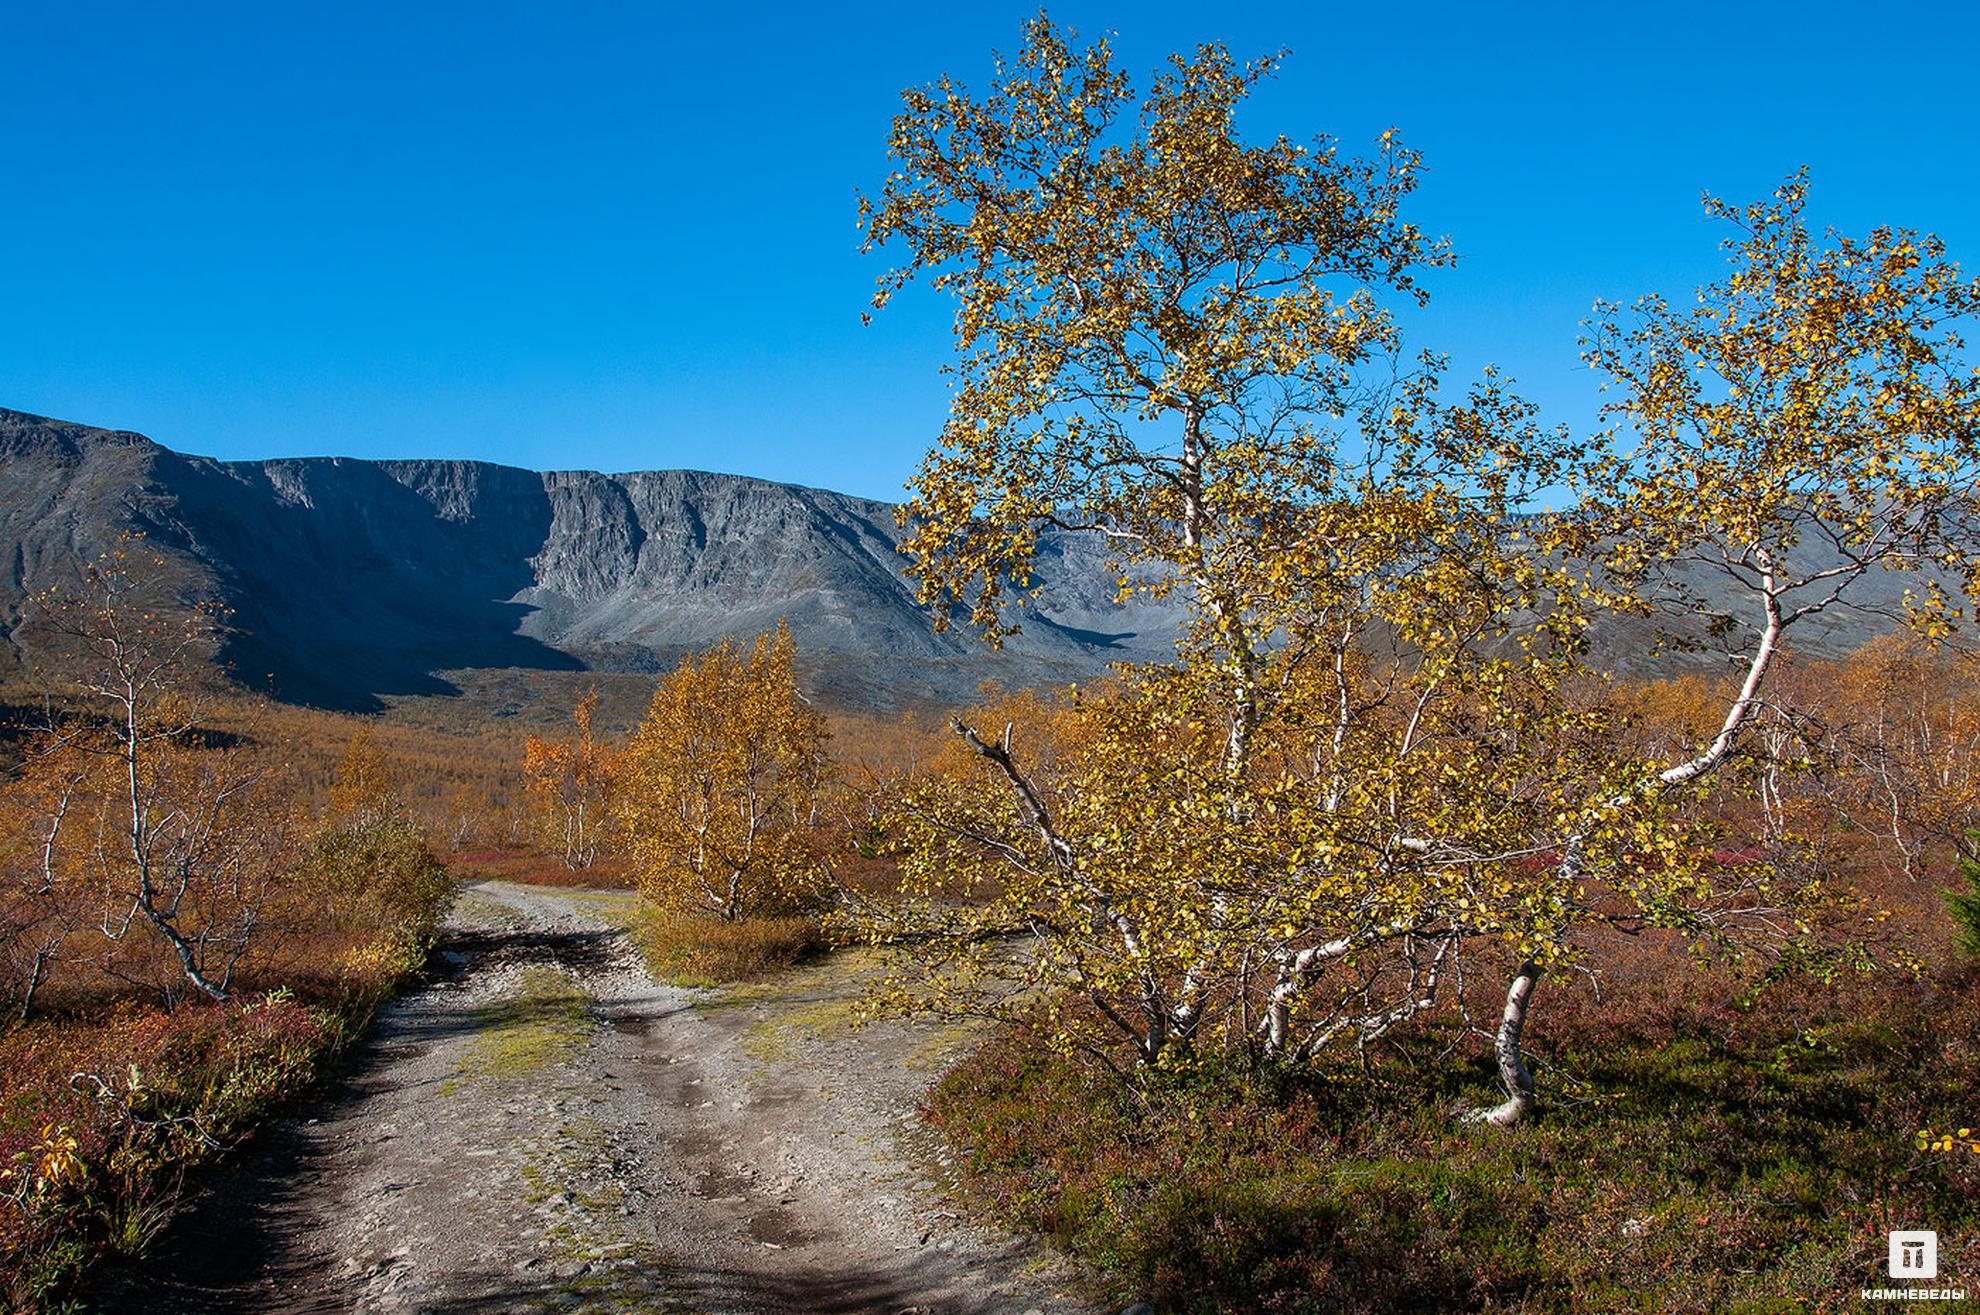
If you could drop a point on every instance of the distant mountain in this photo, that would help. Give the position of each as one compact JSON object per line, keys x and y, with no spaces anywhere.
{"x":351,"y":581}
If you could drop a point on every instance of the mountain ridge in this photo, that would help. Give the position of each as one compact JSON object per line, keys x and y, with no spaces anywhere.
{"x":354,"y":582}
{"x":351,"y":580}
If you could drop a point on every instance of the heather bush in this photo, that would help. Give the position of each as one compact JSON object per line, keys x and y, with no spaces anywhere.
{"x":99,"y":1122}
{"x":1706,"y":1156}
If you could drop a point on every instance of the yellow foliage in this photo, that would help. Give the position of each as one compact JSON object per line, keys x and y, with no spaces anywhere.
{"x":572,"y":786}
{"x":364,"y":789}
{"x":721,"y":809}
{"x":1381,"y":750}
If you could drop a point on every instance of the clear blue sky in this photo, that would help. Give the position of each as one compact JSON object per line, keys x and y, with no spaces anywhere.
{"x":621,"y":236}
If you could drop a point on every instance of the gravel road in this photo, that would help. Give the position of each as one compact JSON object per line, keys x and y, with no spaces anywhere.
{"x":548,"y":1129}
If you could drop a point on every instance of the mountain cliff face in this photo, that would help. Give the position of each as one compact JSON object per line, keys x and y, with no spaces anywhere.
{"x":351,"y":582}
{"x":354,"y":580}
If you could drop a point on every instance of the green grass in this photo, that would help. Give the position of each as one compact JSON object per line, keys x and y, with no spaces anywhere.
{"x":542,"y":1024}
{"x":1713,"y":1161}
{"x":780,"y":1036}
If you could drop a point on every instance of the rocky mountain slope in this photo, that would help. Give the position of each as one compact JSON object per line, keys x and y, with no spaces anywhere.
{"x":353,"y":581}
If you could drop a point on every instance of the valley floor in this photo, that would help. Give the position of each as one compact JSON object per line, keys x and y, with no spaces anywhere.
{"x":548,"y":1129}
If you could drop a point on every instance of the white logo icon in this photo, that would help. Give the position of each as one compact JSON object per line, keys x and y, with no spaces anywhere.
{"x":1915,"y":1253}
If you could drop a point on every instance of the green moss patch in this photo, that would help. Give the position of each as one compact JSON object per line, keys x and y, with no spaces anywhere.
{"x":542,"y":1024}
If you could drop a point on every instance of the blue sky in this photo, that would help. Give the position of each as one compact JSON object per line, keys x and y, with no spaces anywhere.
{"x":621,"y":236}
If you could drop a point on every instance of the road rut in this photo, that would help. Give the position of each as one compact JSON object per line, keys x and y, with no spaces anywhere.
{"x":545,"y":1128}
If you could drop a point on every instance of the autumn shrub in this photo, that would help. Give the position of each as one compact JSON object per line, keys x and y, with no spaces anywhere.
{"x":100,"y":1120}
{"x":1705,"y":1156}
{"x":692,"y":949}
{"x":722,"y":803}
{"x":103,"y":1111}
{"x":380,"y":884}
{"x":105,"y":1104}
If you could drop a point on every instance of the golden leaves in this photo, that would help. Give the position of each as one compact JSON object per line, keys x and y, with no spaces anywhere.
{"x":1380,"y":742}
{"x":573,"y":785}
{"x":1817,"y":391}
{"x":724,"y":771}
{"x":1963,"y":1140}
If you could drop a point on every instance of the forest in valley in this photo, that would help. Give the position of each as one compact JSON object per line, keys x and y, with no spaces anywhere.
{"x":1489,"y":907}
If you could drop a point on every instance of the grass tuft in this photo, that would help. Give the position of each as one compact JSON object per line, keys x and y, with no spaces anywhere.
{"x":543,"y":1024}
{"x":688,"y":950}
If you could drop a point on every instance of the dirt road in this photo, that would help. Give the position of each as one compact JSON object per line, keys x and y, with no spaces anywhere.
{"x":548,"y":1129}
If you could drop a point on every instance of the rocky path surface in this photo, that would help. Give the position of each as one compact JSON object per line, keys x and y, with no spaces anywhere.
{"x":548,"y":1129}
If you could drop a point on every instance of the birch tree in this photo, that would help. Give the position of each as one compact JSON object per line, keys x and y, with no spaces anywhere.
{"x":572,"y":784}
{"x":723,"y":784}
{"x":39,"y":893}
{"x":167,"y":827}
{"x":1381,"y":761}
{"x":1185,"y":344}
{"x":1805,"y":425}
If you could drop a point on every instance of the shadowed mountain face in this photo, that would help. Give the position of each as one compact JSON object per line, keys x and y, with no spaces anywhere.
{"x":352,"y":580}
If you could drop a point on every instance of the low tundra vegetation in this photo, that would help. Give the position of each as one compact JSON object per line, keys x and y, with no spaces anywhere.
{"x":189,"y":935}
{"x":692,"y":950}
{"x":1703,"y":1155}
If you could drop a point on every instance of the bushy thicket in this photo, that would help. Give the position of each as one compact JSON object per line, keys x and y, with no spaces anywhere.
{"x":99,"y":1119}
{"x":381,"y":885}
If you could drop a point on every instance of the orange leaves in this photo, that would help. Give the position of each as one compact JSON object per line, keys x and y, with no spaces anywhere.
{"x":724,"y":775}
{"x":573,"y":786}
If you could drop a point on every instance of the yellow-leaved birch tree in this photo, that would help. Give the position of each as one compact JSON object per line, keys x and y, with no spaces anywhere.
{"x":723,"y":776}
{"x":1184,"y":344}
{"x":1381,"y":755}
{"x":1797,"y":430}
{"x":572,"y":785}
